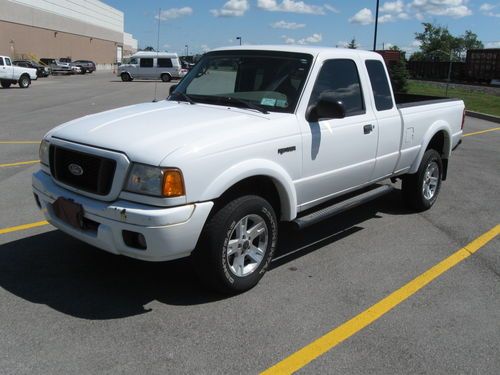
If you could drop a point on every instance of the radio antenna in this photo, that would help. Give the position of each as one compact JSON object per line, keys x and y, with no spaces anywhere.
{"x":157,"y":53}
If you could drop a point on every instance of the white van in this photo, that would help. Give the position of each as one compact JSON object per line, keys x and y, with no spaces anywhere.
{"x":152,"y":65}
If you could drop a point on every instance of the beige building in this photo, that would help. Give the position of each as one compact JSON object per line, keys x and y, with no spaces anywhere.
{"x":84,"y":29}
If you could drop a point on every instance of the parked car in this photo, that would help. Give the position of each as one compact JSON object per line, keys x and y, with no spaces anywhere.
{"x":152,"y":65}
{"x":11,"y":74}
{"x":87,"y":66}
{"x":210,"y":171}
{"x":41,"y":70}
{"x":57,"y":67}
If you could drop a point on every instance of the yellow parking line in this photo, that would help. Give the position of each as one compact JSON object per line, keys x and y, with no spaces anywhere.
{"x":19,"y":142}
{"x":481,"y":132}
{"x":320,"y":346}
{"x":19,"y":163}
{"x":23,"y":227}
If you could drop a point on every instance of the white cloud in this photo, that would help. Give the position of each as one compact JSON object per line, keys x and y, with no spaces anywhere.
{"x":291,"y":6}
{"x":487,"y":9}
{"x":386,"y":18}
{"x":492,"y":44}
{"x":232,"y":8}
{"x":403,"y":16}
{"x":172,"y":13}
{"x":315,"y":38}
{"x":448,"y":8}
{"x":363,"y":17}
{"x":392,"y":7}
{"x":331,"y":8}
{"x":287,"y":25}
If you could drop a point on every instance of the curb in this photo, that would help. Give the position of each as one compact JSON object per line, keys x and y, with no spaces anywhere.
{"x":483,"y":116}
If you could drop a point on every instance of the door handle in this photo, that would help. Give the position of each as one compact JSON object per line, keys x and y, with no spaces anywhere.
{"x":367,"y":129}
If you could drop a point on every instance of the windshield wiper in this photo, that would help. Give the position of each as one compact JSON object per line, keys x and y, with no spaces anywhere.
{"x":246,"y":103}
{"x":186,"y":97}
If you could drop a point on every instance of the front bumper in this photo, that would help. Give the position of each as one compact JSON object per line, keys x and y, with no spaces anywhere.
{"x":170,"y":233}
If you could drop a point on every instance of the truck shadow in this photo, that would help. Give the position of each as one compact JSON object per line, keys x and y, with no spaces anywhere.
{"x":79,"y":280}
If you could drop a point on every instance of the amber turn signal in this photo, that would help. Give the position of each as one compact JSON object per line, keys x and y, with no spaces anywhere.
{"x":173,"y":183}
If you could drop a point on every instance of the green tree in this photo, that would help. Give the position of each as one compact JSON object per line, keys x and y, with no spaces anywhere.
{"x":353,"y":44}
{"x":148,"y":49}
{"x":398,"y":72}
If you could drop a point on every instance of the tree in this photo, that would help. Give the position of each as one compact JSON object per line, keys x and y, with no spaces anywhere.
{"x":149,"y":49}
{"x":398,"y":72}
{"x":353,"y":44}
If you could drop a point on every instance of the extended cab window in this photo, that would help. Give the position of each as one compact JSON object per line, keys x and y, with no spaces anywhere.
{"x":1,"y":61}
{"x":146,"y":63}
{"x":380,"y":85}
{"x":164,"y":63}
{"x":7,"y":61}
{"x":339,"y":79}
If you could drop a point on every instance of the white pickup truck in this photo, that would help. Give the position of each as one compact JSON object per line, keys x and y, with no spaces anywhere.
{"x":250,"y":137}
{"x":11,"y":74}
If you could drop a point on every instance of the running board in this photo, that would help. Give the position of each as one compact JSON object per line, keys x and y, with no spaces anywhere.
{"x":337,"y":208}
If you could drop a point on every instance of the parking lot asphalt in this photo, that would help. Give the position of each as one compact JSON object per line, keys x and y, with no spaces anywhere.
{"x":68,"y":308}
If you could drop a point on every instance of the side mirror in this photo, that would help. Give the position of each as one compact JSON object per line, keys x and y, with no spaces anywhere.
{"x":325,"y":109}
{"x":171,"y":89}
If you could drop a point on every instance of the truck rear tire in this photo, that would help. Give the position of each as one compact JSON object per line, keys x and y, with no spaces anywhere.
{"x":420,"y":190}
{"x":24,"y":81}
{"x":166,"y":77}
{"x":237,"y":245}
{"x":5,"y":85}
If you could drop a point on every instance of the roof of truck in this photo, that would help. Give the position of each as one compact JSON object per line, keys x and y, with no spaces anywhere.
{"x":313,"y":50}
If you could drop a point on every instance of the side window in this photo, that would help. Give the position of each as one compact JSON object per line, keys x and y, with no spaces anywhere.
{"x":146,"y":63}
{"x":7,"y":61}
{"x":1,"y":61}
{"x":380,"y":85}
{"x":133,"y":61}
{"x":339,"y":79}
{"x":164,"y":63}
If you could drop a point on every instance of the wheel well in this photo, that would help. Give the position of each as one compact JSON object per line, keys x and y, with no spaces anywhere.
{"x":438,"y":143}
{"x":168,"y":74}
{"x":24,"y":75}
{"x":262,"y":186}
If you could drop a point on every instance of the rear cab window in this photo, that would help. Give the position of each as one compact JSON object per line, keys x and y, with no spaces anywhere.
{"x":380,"y":85}
{"x":7,"y":61}
{"x":339,"y":79}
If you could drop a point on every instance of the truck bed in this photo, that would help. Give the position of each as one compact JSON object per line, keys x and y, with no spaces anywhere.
{"x":412,"y":100}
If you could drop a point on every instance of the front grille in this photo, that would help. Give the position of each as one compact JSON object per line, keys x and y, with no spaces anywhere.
{"x":96,"y":175}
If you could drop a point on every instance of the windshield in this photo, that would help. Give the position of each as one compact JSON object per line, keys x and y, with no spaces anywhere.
{"x":269,"y":80}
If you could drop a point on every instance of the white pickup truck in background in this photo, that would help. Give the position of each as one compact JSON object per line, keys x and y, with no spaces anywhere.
{"x":11,"y":74}
{"x":250,"y":137}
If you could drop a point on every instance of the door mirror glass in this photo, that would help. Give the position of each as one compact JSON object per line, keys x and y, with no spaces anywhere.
{"x":325,"y":109}
{"x":172,"y":89}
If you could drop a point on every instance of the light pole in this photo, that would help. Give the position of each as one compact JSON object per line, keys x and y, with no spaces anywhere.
{"x":239,"y":38}
{"x":376,"y":26}
{"x":187,"y":50}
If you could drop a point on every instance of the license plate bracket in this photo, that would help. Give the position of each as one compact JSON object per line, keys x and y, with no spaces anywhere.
{"x":69,"y":211}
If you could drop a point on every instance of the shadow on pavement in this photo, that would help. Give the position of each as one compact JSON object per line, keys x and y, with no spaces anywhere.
{"x":82,"y":281}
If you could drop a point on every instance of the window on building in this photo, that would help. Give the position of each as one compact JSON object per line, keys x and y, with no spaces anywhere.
{"x":380,"y":85}
{"x":164,"y":63}
{"x":339,"y":80}
{"x":146,"y":63}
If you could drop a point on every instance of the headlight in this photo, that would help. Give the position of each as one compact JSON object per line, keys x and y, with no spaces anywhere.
{"x":161,"y":182}
{"x":43,"y":152}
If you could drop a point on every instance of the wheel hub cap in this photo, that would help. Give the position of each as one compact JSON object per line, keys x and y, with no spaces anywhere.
{"x":247,"y":245}
{"x":431,"y":180}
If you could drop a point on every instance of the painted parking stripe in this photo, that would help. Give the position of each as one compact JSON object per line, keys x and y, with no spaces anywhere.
{"x":19,"y":142}
{"x":23,"y":227}
{"x":327,"y":342}
{"x":481,"y":132}
{"x":19,"y":163}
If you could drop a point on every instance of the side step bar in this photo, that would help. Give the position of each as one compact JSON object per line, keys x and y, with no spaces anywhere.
{"x":337,"y":208}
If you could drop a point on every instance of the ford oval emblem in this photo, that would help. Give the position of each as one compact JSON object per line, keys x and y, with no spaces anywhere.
{"x":75,"y":169}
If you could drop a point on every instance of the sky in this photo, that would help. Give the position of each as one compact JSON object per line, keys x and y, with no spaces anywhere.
{"x":207,"y":24}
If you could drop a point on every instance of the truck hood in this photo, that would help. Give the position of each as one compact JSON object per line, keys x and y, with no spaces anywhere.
{"x":149,"y":132}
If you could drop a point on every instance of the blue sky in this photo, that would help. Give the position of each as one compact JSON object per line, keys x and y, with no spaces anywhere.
{"x":206,"y":24}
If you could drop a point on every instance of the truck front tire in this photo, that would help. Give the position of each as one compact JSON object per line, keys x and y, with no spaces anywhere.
{"x":420,"y":190}
{"x":126,"y":77}
{"x":237,"y":245}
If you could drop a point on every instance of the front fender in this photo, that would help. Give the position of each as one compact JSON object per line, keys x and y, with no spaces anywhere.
{"x":252,"y":168}
{"x":436,"y":127}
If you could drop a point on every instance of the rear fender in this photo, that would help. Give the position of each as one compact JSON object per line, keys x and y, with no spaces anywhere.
{"x":436,"y":127}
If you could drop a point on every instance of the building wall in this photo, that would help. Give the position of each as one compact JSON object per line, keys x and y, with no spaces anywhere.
{"x":22,"y":41}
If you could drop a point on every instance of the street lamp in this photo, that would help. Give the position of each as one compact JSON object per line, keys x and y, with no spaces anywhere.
{"x":239,"y":38}
{"x":187,"y":50}
{"x":376,"y":26}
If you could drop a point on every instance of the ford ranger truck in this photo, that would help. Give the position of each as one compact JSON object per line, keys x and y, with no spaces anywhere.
{"x":11,"y":74}
{"x":250,"y":137}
